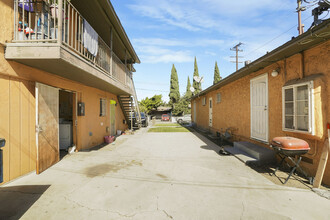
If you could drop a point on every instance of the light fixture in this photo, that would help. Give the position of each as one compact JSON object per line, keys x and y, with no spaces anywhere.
{"x":275,"y":72}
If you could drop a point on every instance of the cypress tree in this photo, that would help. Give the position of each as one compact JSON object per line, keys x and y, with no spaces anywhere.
{"x":217,"y":76}
{"x":188,"y":92}
{"x":174,"y":87}
{"x":196,"y":85}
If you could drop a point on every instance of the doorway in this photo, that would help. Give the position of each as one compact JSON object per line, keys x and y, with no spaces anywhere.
{"x":56,"y":124}
{"x":259,"y":108}
{"x":66,"y":121}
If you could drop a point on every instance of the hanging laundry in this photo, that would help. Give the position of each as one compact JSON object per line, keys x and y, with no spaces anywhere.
{"x":28,"y":5}
{"x":91,"y":39}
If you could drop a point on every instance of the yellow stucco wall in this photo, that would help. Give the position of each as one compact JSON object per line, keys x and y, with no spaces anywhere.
{"x":234,"y":108}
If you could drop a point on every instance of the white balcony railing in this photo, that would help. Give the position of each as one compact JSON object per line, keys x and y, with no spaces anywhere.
{"x":40,"y":21}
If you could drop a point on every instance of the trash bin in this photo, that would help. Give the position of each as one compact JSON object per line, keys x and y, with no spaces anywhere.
{"x":2,"y":144}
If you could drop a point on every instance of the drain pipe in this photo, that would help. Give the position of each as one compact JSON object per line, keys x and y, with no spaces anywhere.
{"x":2,"y":144}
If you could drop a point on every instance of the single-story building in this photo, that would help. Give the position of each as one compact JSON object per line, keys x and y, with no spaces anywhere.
{"x":283,"y":93}
{"x":157,"y":113}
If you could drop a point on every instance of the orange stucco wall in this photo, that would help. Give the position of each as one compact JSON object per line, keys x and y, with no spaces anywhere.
{"x":234,"y":108}
{"x":17,"y":114}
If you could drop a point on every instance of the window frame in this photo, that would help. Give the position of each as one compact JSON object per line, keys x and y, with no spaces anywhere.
{"x":103,"y":107}
{"x":311,"y":126}
{"x":204,"y":101}
{"x":218,"y":97}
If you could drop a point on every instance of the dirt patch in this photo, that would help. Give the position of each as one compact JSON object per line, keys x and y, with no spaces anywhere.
{"x":294,"y":181}
{"x":102,"y":169}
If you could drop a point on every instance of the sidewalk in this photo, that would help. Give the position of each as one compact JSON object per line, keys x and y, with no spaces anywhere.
{"x":156,"y":176}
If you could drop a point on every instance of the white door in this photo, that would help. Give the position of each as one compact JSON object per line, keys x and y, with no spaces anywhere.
{"x":195,"y":113}
{"x":259,"y":108}
{"x":210,"y":112}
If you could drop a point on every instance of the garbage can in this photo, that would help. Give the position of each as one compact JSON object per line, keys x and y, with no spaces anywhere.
{"x":2,"y":144}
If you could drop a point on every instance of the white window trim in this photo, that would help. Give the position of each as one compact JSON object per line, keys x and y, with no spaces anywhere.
{"x":204,"y":101}
{"x":218,"y":95}
{"x":311,"y":126}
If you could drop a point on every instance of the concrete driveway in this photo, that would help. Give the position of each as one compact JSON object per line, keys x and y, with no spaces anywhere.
{"x":156,"y":176}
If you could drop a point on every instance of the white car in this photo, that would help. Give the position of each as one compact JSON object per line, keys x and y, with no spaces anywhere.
{"x":184,"y":119}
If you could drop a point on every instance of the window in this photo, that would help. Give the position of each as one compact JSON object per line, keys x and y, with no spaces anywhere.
{"x":103,"y":107}
{"x":204,"y":101}
{"x":297,"y":107}
{"x":218,"y":97}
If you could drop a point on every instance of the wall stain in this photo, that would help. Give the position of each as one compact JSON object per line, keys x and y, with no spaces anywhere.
{"x":102,"y":169}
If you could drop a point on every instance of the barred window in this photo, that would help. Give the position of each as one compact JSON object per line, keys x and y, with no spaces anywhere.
{"x":103,"y":107}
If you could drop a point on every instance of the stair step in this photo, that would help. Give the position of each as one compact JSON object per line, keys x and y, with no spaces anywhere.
{"x":241,"y":155}
{"x":262,"y":154}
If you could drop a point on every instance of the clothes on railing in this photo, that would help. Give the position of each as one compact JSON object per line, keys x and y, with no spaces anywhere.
{"x":28,"y":6}
{"x":90,"y":39}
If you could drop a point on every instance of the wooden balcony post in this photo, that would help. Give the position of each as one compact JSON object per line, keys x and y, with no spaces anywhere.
{"x":111,"y":55}
{"x":60,"y":21}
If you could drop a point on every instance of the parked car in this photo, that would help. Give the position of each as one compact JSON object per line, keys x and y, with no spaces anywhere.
{"x":165,"y":117}
{"x":184,"y":119}
{"x":144,"y":119}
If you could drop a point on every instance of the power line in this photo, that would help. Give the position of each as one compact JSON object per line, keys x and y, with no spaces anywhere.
{"x":275,"y":38}
{"x":152,"y":90}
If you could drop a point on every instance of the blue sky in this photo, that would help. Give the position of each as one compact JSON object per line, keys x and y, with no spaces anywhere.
{"x":166,"y":32}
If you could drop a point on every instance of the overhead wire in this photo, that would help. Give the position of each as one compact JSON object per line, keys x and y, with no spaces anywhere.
{"x":275,"y":38}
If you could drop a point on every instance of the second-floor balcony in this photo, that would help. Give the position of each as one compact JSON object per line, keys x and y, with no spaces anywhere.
{"x":52,"y":35}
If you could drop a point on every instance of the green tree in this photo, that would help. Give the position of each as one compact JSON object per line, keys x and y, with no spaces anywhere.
{"x":146,"y":105}
{"x":196,"y":85}
{"x":217,"y":76}
{"x":174,"y":87}
{"x":188,"y":91}
{"x":181,"y":107}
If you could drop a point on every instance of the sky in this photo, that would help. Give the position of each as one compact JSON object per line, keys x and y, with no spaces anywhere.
{"x":167,"y":32}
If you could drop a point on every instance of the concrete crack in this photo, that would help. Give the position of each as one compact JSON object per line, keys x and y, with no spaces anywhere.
{"x":242,"y":210}
{"x":169,"y":216}
{"x":101,"y":210}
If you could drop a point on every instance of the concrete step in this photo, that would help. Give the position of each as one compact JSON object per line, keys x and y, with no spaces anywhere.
{"x":262,"y":154}
{"x":241,"y":155}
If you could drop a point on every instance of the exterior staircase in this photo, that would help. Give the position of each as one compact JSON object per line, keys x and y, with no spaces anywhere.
{"x":129,"y":106}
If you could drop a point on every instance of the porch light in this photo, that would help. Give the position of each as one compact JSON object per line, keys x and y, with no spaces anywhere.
{"x":275,"y":72}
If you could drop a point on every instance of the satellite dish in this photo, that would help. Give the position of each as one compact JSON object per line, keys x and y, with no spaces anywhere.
{"x":196,"y":78}
{"x":192,"y":89}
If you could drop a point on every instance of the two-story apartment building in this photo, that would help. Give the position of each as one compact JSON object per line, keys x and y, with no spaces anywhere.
{"x":283,"y":93}
{"x":65,"y":79}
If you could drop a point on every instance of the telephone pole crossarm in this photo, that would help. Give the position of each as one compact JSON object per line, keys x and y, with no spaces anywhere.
{"x":235,"y":48}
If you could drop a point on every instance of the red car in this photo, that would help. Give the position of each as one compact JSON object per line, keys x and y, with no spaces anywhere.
{"x":165,"y":117}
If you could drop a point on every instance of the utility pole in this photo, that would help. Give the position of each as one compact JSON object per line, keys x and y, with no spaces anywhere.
{"x":299,"y":10}
{"x":235,"y":48}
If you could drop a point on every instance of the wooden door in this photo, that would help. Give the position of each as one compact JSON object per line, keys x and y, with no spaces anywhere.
{"x":259,"y":108}
{"x":47,"y":126}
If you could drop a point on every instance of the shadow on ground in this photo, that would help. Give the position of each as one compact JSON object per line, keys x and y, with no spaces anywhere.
{"x":267,"y":171}
{"x":16,"y":200}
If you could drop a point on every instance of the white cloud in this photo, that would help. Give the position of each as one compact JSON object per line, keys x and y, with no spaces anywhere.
{"x":156,"y":54}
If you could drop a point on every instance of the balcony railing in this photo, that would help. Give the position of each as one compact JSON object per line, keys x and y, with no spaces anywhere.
{"x":58,"y":21}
